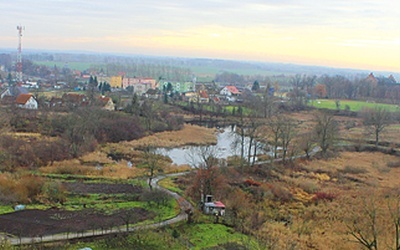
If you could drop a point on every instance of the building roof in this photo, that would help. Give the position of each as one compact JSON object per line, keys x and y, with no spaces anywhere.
{"x":104,"y":100}
{"x":233,"y":89}
{"x":391,"y":77}
{"x":15,"y":91}
{"x":8,"y":100}
{"x":74,"y":97}
{"x":23,"y":98}
{"x":372,"y":78}
{"x":203,"y":94}
{"x":215,"y":204}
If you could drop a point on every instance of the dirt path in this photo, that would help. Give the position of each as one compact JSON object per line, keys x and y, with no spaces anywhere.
{"x":183,"y":204}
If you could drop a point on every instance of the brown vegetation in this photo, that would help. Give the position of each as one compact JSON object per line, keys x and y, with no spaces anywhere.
{"x":311,"y":204}
{"x":189,"y":135}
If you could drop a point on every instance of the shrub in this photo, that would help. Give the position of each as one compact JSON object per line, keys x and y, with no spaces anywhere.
{"x":53,"y":191}
{"x":175,"y":234}
{"x":308,"y":186}
{"x":281,"y":193}
{"x":393,"y":164}
{"x":29,"y":187}
{"x":353,"y":170}
{"x":250,"y":182}
{"x":156,"y":197}
{"x":323,"y":196}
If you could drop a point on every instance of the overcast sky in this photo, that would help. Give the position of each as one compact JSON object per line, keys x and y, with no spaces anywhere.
{"x":342,"y":33}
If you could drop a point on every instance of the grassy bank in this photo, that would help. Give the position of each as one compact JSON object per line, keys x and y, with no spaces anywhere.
{"x":353,"y":105}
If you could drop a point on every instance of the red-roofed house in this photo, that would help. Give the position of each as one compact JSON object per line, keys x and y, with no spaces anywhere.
{"x":213,"y":207}
{"x":26,"y":101}
{"x":203,"y":95}
{"x":106,"y":103}
{"x":230,"y":92}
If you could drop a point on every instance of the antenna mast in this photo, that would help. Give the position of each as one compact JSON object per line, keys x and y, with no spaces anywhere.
{"x":19,"y":54}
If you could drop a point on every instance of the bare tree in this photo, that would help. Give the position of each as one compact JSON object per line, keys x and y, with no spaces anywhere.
{"x":306,"y":143}
{"x":151,"y":161}
{"x":265,"y":103}
{"x":326,"y":131}
{"x":364,"y":227}
{"x":275,"y":127}
{"x":128,"y":216}
{"x":394,"y":210}
{"x":298,"y":93}
{"x":253,"y":145}
{"x":287,"y":133}
{"x":377,"y":120}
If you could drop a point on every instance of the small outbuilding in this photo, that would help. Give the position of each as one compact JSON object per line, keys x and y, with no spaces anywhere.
{"x":213,"y":207}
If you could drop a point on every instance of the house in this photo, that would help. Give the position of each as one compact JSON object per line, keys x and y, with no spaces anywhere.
{"x":190,"y":96}
{"x":203,"y":96}
{"x":26,"y":101}
{"x":230,"y":92}
{"x":213,"y":207}
{"x":141,"y":88}
{"x":74,"y":100}
{"x":179,"y":87}
{"x":55,"y":102}
{"x":14,"y":91}
{"x":106,"y":103}
{"x":152,"y":93}
{"x":8,"y":100}
{"x":147,"y":81}
{"x":116,"y":81}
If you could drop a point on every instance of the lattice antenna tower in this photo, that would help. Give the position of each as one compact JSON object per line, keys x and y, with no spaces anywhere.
{"x":19,"y":54}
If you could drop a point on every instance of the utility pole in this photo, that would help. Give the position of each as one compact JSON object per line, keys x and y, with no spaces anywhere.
{"x":19,"y":55}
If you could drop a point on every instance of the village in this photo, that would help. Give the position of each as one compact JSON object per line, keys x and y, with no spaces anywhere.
{"x":88,"y":145}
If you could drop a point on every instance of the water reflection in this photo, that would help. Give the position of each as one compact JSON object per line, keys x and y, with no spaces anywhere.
{"x":228,"y":144}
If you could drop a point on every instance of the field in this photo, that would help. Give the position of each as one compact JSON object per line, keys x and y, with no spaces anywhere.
{"x":88,"y":206}
{"x":353,"y":105}
{"x":178,"y":237}
{"x":32,"y":222}
{"x":207,"y":73}
{"x":72,"y":65}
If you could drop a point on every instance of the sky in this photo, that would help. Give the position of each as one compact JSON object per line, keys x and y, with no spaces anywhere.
{"x":359,"y":34}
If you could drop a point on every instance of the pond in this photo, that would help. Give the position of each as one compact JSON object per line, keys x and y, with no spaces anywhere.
{"x":228,"y":144}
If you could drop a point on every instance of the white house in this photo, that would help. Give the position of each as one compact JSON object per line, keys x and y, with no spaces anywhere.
{"x":26,"y":101}
{"x":229,"y":91}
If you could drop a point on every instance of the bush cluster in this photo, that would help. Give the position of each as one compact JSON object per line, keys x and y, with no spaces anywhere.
{"x":70,"y":135}
{"x":29,"y":189}
{"x":323,"y":196}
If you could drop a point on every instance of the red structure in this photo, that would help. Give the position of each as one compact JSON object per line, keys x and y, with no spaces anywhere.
{"x":19,"y":55}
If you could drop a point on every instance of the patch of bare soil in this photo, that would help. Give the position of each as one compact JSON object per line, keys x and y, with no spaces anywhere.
{"x":101,"y":188}
{"x":30,"y":223}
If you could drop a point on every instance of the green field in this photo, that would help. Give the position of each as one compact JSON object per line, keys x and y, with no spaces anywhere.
{"x":72,"y":65}
{"x":194,"y":236}
{"x":354,"y":105}
{"x":207,"y":73}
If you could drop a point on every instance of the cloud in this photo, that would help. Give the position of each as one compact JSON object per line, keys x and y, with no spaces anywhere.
{"x":253,"y":28}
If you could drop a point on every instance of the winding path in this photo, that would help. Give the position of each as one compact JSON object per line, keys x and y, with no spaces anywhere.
{"x":183,"y":204}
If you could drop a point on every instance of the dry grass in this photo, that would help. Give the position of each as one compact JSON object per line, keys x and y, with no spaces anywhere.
{"x":322,"y":223}
{"x":372,"y":167}
{"x":189,"y":135}
{"x":96,"y":157}
{"x":115,"y":170}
